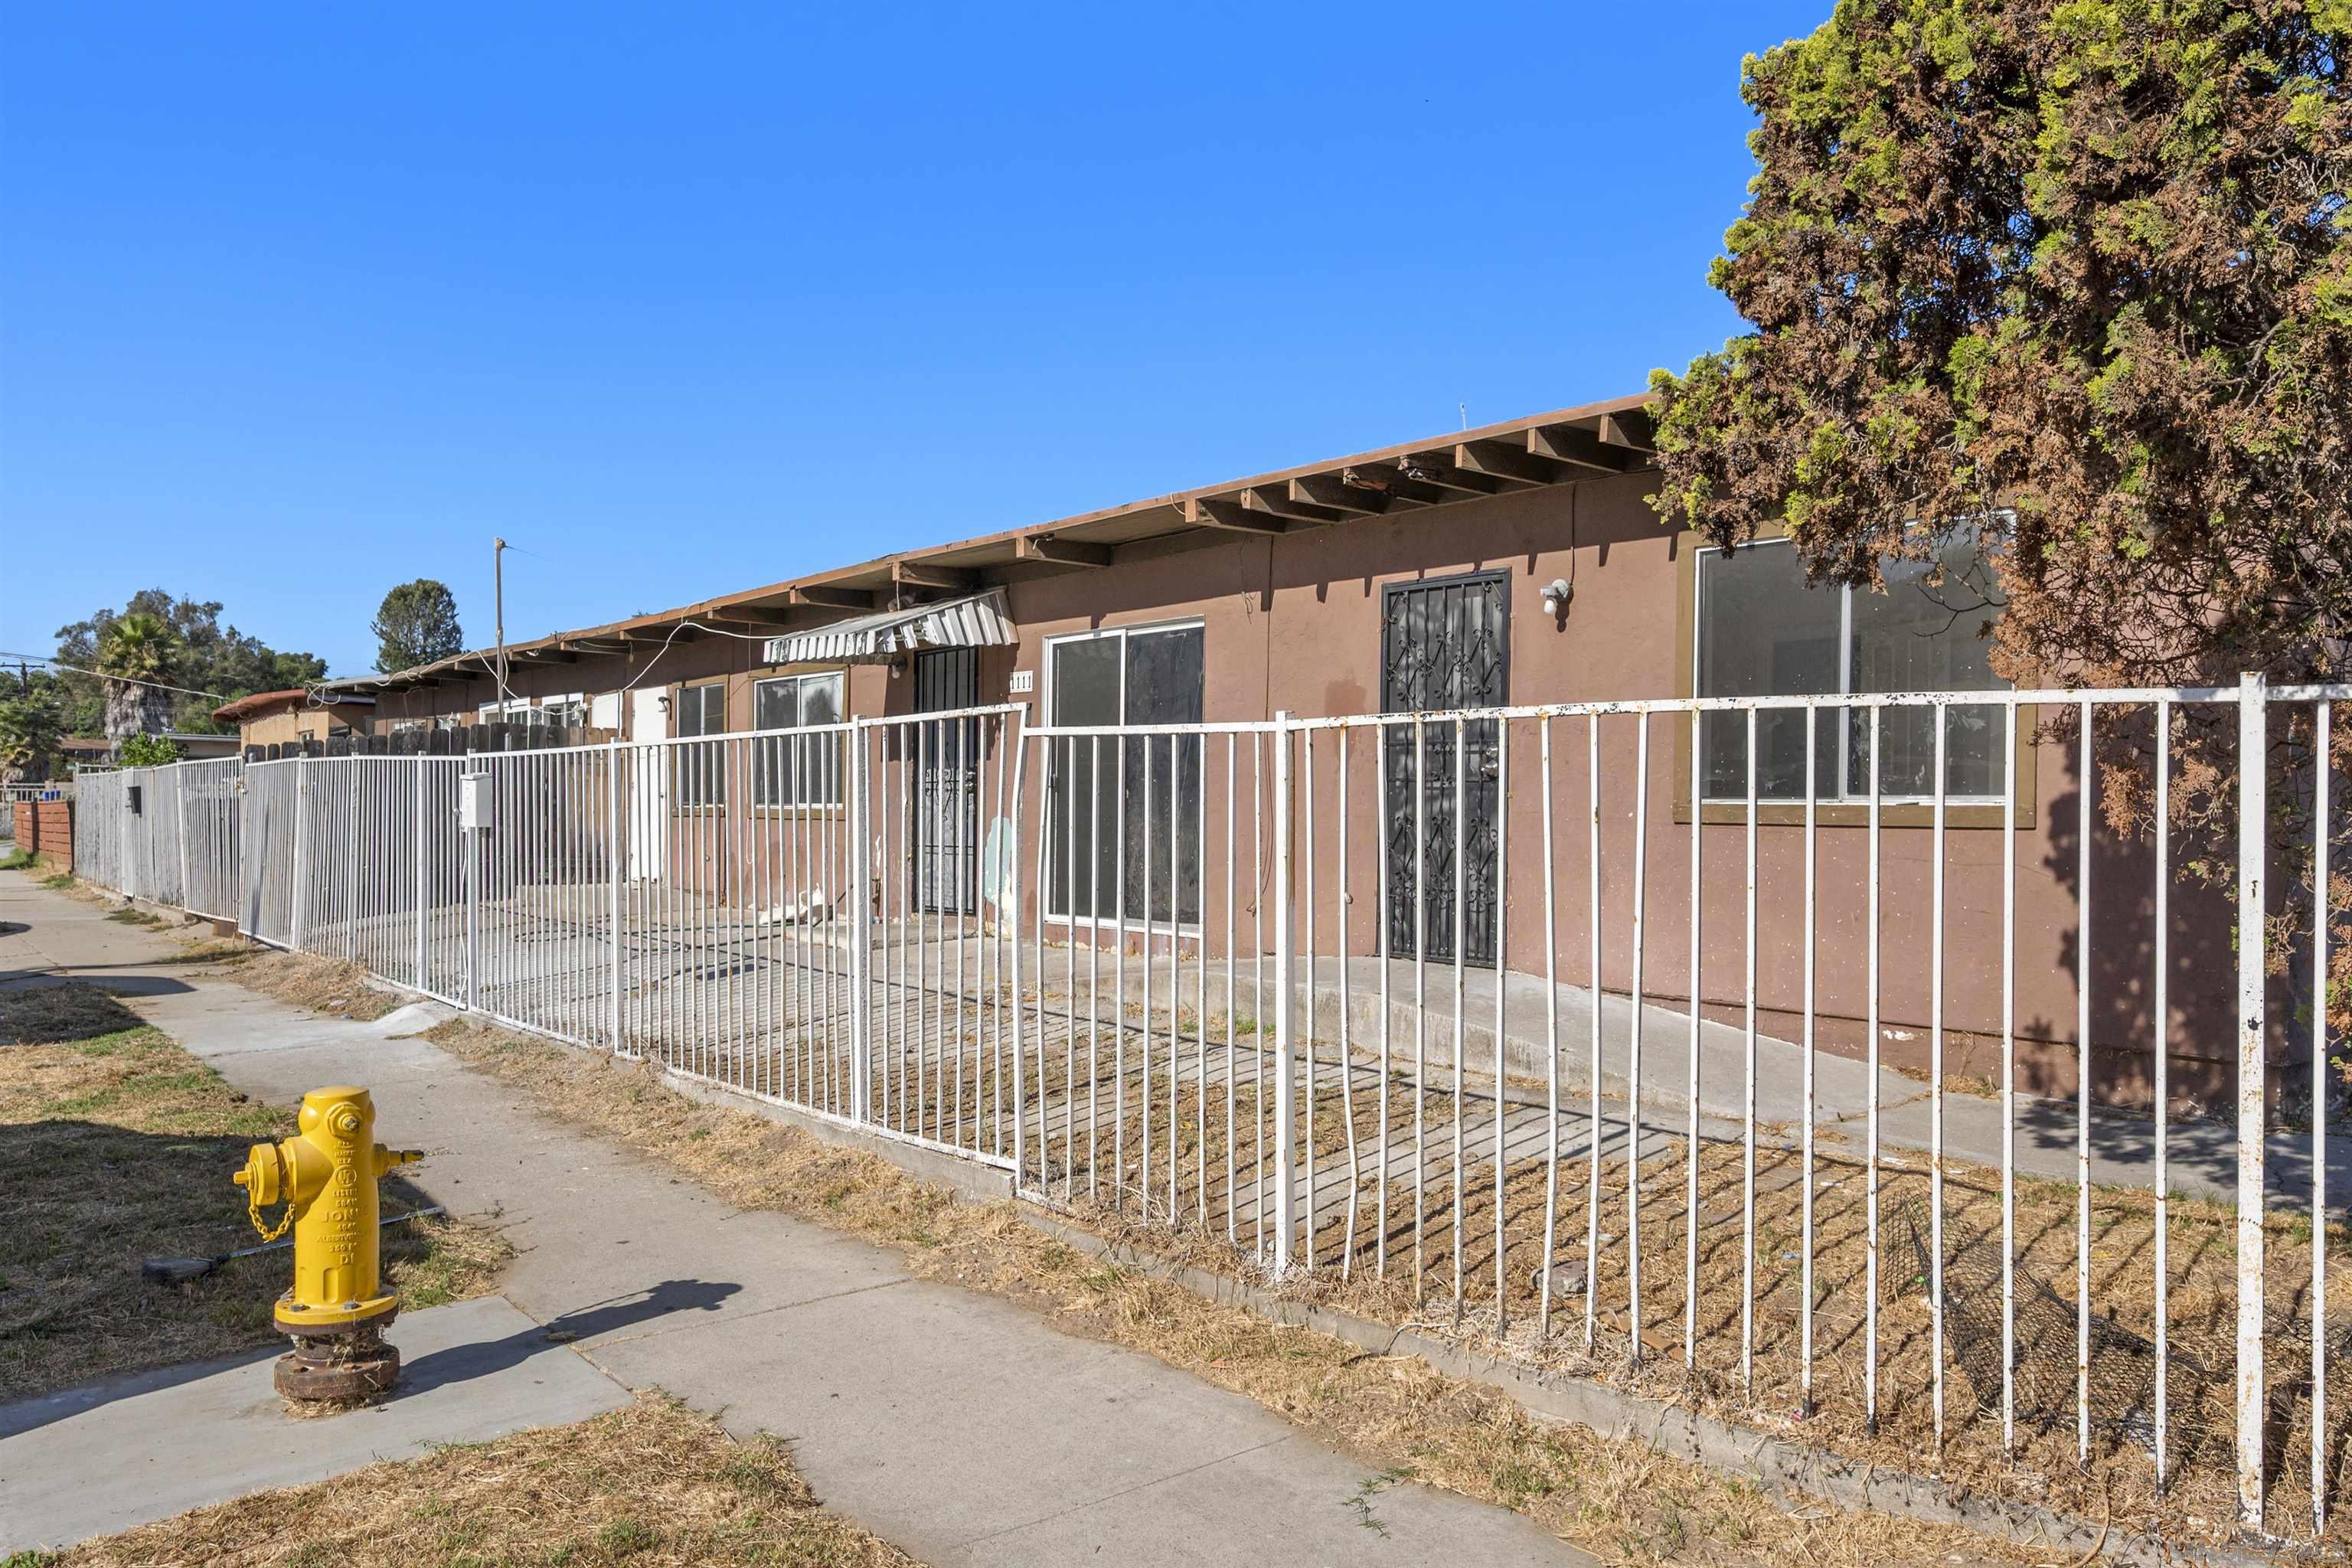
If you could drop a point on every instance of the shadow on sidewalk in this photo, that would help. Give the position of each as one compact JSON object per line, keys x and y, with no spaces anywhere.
{"x":460,"y":1363}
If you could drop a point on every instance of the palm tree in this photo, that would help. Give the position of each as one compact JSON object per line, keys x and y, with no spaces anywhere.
{"x":135,"y":652}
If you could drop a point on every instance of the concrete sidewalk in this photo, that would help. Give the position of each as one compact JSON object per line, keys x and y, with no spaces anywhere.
{"x":959,"y":1425}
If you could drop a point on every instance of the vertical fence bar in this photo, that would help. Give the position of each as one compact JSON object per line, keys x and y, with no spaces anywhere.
{"x":1697,"y":1001}
{"x":2087,"y":796}
{"x":2159,"y":1006}
{"x":1936,"y":1075}
{"x":1747,"y":1118}
{"x":1552,"y":1036}
{"x":2253,"y":805}
{"x":1286,"y":1021}
{"x":295,"y":926}
{"x":2009,"y":1083}
{"x":861,"y":937}
{"x":2319,"y":1087}
{"x":1806,"y":966}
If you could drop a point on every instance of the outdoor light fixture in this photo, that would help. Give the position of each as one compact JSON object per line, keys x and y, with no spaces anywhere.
{"x":1555,"y":594}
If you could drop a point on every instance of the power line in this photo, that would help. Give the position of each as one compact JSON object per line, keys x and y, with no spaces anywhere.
{"x":126,"y":679}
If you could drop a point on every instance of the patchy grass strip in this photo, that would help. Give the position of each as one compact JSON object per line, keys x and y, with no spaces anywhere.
{"x":120,"y":1148}
{"x":652,"y":1484}
{"x":1407,"y":1421}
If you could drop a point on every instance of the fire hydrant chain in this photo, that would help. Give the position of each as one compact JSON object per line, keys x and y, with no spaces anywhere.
{"x":268,"y":1233}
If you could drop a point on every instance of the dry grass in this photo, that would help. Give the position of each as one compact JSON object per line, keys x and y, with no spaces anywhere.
{"x":1402,"y":1417}
{"x":122,"y":1146}
{"x":652,"y":1484}
{"x":333,"y":986}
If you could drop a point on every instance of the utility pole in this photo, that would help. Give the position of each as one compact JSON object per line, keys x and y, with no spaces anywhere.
{"x":498,"y":591}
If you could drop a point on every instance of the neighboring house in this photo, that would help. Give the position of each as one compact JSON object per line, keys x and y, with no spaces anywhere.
{"x":1516,"y":563}
{"x":293,"y":718}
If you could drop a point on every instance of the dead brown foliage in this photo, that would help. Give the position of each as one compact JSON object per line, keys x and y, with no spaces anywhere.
{"x":652,"y":1484}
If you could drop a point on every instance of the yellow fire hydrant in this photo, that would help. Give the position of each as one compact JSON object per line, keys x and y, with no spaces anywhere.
{"x":337,"y":1311}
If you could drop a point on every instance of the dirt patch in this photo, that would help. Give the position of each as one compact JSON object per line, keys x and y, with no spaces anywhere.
{"x":120,"y":1148}
{"x":1404,"y":1420}
{"x":652,"y":1484}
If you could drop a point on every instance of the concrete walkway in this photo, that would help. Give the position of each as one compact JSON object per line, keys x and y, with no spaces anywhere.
{"x":959,"y":1425}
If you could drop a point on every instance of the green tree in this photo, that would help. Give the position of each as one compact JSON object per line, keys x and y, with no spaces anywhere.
{"x":416,"y":624}
{"x":147,"y":751}
{"x":2072,"y":277}
{"x":211,"y":658}
{"x":135,"y":661}
{"x":2072,"y":272}
{"x":29,"y":733}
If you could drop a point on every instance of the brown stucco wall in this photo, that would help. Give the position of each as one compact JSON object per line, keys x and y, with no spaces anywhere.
{"x":1293,"y":623}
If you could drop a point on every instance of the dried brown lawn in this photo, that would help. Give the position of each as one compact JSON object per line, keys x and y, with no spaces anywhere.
{"x":652,"y":1484}
{"x":120,"y":1148}
{"x":1403,"y":1419}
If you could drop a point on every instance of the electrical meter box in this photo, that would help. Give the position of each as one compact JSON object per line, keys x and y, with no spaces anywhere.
{"x":473,"y":801}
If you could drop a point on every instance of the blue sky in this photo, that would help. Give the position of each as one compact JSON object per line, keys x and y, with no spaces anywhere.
{"x":298,"y":302}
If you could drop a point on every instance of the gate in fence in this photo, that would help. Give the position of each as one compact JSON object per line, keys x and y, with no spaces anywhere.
{"x":1627,"y":1094}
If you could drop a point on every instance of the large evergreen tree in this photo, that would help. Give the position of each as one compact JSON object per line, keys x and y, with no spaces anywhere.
{"x":2072,"y":277}
{"x":207,"y":658}
{"x":416,"y":624}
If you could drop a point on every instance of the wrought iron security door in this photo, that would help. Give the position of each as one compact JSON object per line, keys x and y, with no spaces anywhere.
{"x":1444,"y":644}
{"x":947,"y":796}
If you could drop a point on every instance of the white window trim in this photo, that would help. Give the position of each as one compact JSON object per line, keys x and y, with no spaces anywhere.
{"x":1845,"y":688}
{"x":1052,"y":694}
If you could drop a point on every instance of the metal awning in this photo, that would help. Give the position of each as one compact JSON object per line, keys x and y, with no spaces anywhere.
{"x":978,"y":620}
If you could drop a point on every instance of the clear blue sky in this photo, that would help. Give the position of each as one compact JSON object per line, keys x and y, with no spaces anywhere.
{"x":300,"y":302}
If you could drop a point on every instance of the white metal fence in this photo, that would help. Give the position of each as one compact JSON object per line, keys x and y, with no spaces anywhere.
{"x":1524,"y":1013}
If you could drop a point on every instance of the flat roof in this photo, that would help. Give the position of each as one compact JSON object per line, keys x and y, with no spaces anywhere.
{"x":1540,"y":450}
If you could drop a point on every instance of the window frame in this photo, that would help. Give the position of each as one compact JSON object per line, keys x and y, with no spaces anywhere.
{"x":1838,"y":810}
{"x":716,"y":791}
{"x":1047,"y":700}
{"x":840,"y":677}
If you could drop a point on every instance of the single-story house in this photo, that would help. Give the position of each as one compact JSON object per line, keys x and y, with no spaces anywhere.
{"x":1512,"y":563}
{"x":295,"y":717}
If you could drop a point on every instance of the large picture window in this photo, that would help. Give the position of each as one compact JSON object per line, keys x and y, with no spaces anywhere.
{"x":701,"y":771}
{"x":1125,"y":811}
{"x":1763,"y":631}
{"x":797,"y":770}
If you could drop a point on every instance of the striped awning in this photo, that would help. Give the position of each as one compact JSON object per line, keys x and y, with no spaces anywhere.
{"x":978,"y":620}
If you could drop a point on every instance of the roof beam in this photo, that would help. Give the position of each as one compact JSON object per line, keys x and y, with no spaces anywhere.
{"x":1392,"y":480}
{"x":1332,"y":491}
{"x":1578,"y":448}
{"x":1278,"y":500}
{"x":543,"y":655}
{"x":1045,"y":547}
{"x":596,"y":645}
{"x":1631,"y":430}
{"x":831,"y":596}
{"x":1216,"y":511}
{"x":916,"y":575}
{"x":1504,"y":462}
{"x":749,"y":616}
{"x":1439,"y":470}
{"x":654,"y":637}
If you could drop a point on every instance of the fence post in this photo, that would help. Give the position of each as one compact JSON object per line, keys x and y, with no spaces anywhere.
{"x":861,"y":923}
{"x":1020,"y":1036}
{"x":2252,"y":808}
{"x":349,"y":904}
{"x":613,"y":853}
{"x":180,"y":807}
{"x":417,"y":768}
{"x":1285,"y":1010}
{"x":301,"y":842}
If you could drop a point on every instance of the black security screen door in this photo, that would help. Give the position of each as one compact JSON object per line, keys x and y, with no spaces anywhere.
{"x":947,"y":795}
{"x":1444,"y":644}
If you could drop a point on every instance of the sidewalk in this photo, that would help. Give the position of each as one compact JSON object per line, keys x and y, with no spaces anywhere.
{"x":959,"y":1425}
